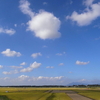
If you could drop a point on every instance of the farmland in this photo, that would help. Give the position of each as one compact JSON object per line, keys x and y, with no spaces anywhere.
{"x":94,"y":94}
{"x":31,"y":94}
{"x":45,"y":93}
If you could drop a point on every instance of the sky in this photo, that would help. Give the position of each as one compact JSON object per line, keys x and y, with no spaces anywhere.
{"x":49,"y":42}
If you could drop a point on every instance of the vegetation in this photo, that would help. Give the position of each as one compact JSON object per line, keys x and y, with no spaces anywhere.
{"x":94,"y":94}
{"x":14,"y":93}
{"x":2,"y":97}
{"x":31,"y":94}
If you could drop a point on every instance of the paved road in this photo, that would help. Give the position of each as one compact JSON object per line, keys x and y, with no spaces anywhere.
{"x":74,"y":96}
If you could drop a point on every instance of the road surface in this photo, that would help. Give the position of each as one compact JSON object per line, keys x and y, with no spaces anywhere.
{"x":74,"y":96}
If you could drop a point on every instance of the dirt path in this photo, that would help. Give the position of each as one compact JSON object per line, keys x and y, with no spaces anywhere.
{"x":74,"y":96}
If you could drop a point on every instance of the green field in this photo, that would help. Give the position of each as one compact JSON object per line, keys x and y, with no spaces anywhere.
{"x":45,"y":93}
{"x":31,"y":94}
{"x":94,"y":94}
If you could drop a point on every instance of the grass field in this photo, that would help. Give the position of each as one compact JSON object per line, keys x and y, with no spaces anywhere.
{"x":94,"y":94}
{"x":44,"y":93}
{"x":31,"y":94}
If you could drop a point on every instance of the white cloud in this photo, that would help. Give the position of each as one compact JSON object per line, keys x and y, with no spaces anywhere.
{"x":97,"y":26}
{"x":60,"y":54}
{"x":50,"y":78}
{"x":61,"y":64}
{"x":23,"y":77}
{"x":45,"y":3}
{"x":7,"y":31}
{"x":1,"y":66}
{"x":44,"y":80}
{"x":40,"y":80}
{"x":82,"y":63}
{"x":35,"y":65}
{"x":23,"y":24}
{"x":91,"y":13}
{"x":88,"y":2}
{"x":49,"y":67}
{"x":6,"y":73}
{"x":28,"y":69}
{"x":48,"y":56}
{"x":16,"y":67}
{"x":43,"y":24}
{"x":23,"y":63}
{"x":71,"y":1}
{"x":35,"y":55}
{"x":15,"y":25}
{"x":44,"y":46}
{"x":31,"y":67}
{"x":97,"y":38}
{"x":10,"y":53}
{"x":24,"y":6}
{"x":6,"y":78}
{"x":82,"y":80}
{"x":10,"y":72}
{"x":70,"y":72}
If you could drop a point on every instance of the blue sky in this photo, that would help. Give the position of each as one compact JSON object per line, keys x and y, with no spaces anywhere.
{"x":49,"y":42}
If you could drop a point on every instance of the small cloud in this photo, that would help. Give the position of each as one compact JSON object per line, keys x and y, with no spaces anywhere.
{"x":71,"y":1}
{"x":44,"y":46}
{"x":22,"y":24}
{"x":10,"y":53}
{"x":6,"y":78}
{"x":31,"y":67}
{"x":24,"y":7}
{"x":70,"y":72}
{"x":16,"y":67}
{"x":15,"y":25}
{"x":91,"y":13}
{"x":45,"y":3}
{"x":50,"y":78}
{"x":48,"y":56}
{"x":10,"y":72}
{"x":23,"y":77}
{"x":60,"y":54}
{"x":97,"y":26}
{"x":61,"y":64}
{"x":1,"y":66}
{"x":82,"y":80}
{"x":35,"y":55}
{"x":7,"y":31}
{"x":6,"y":73}
{"x":49,"y":67}
{"x":67,"y":17}
{"x":82,"y":63}
{"x":23,"y":63}
{"x":97,"y":38}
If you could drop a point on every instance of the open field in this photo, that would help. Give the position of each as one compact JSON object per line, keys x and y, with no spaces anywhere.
{"x":32,"y":94}
{"x":45,"y":93}
{"x":94,"y":94}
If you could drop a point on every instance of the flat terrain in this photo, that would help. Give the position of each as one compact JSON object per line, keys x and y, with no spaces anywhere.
{"x":76,"y":96}
{"x":92,"y":93}
{"x":49,"y":94}
{"x":72,"y":94}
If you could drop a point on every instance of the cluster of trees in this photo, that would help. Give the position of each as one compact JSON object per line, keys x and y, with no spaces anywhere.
{"x":57,"y":86}
{"x":35,"y":86}
{"x":92,"y":85}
